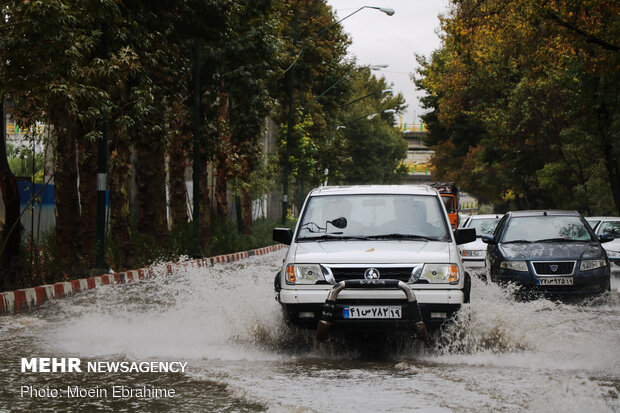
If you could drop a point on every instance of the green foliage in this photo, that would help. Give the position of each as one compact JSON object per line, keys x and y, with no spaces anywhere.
{"x":374,"y":147}
{"x":523,"y":103}
{"x":20,"y":162}
{"x":78,"y":66}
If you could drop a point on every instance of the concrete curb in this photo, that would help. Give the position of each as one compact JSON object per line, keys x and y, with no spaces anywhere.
{"x":12,"y":302}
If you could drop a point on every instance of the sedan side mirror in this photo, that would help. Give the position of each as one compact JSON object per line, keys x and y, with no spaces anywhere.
{"x":606,"y":238}
{"x":283,"y":235}
{"x":464,"y":235}
{"x":487,"y":239}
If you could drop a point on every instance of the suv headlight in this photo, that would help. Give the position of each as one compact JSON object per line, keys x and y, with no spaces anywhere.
{"x":436,"y":273}
{"x":591,"y":264}
{"x":304,"y":274}
{"x":514,"y":265}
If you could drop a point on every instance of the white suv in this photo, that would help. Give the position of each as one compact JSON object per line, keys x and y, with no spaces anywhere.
{"x":372,"y":258}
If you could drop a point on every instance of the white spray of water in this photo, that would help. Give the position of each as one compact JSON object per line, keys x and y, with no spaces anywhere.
{"x":220,"y":312}
{"x":495,"y":329}
{"x":500,"y":353}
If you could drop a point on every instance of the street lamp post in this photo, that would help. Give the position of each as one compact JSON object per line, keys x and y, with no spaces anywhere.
{"x":289,"y":124}
{"x":291,"y":89}
{"x":371,"y":115}
{"x":368,"y":95}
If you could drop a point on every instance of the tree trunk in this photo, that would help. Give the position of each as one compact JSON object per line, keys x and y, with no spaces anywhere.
{"x":246,"y":211}
{"x":178,"y":192}
{"x":86,"y":232}
{"x":221,"y":159}
{"x":12,"y":229}
{"x":67,"y":206}
{"x":205,"y":203}
{"x":120,"y":169}
{"x":150,"y":179}
{"x":609,"y":159}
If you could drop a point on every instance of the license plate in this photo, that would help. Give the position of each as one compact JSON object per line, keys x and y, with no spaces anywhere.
{"x":555,"y":281}
{"x":373,"y":311}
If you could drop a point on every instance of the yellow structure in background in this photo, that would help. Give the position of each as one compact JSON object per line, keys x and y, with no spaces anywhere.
{"x":13,"y":128}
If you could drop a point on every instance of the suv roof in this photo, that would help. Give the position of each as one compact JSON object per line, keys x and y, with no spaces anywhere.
{"x":374,"y":189}
{"x":534,"y":213}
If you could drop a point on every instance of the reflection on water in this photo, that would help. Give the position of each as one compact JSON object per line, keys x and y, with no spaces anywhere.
{"x":499,"y":354}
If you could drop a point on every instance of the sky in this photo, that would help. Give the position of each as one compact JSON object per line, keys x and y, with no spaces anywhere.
{"x":381,"y":39}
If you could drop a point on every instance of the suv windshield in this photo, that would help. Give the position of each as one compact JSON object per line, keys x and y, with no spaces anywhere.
{"x":546,"y":228}
{"x":373,"y":216}
{"x":483,"y":226}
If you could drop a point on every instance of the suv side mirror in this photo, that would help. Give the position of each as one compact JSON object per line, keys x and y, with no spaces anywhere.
{"x":338,"y":222}
{"x":283,"y":235}
{"x":487,"y":239}
{"x":465,"y":235}
{"x":603,"y":238}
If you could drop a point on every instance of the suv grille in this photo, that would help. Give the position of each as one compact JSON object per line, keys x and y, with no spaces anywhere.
{"x":546,"y":268}
{"x":395,"y":273}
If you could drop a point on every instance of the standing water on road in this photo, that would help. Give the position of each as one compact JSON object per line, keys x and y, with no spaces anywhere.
{"x":223,"y":321}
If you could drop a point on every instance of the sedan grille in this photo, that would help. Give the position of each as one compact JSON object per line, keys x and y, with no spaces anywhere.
{"x":395,"y":273}
{"x":554,"y":268}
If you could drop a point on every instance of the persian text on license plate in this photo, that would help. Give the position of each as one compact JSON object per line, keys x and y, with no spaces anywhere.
{"x":373,"y":311}
{"x":555,"y":281}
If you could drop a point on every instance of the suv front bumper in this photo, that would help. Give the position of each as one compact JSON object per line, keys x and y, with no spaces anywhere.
{"x":423,"y":296}
{"x":303,"y":307}
{"x":333,"y":310}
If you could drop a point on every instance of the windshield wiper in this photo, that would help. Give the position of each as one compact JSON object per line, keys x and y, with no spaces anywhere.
{"x":329,"y":237}
{"x":404,"y":236}
{"x":317,"y":228}
{"x":518,"y":241}
{"x":555,"y":240}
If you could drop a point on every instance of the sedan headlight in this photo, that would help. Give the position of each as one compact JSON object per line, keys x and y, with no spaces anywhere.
{"x":472,"y":253}
{"x":613,"y":254}
{"x":436,"y":273}
{"x":591,"y":264}
{"x":304,"y":274}
{"x":514,"y":265}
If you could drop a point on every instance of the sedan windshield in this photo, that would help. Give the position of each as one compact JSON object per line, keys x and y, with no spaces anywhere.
{"x":610,"y":227}
{"x":483,"y":226}
{"x":546,"y":229}
{"x":376,"y":216}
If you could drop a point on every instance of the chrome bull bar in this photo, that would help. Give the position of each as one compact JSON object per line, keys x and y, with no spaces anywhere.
{"x":411,"y":309}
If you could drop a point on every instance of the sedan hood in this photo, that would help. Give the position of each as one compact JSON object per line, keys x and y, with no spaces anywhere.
{"x":374,"y":252}
{"x":474,"y":245}
{"x":612,"y":245}
{"x":552,"y":251}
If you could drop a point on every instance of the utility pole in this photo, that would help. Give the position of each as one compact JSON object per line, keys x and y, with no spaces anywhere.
{"x":102,"y":176}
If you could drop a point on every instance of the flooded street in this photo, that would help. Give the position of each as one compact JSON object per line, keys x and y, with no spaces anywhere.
{"x":500,"y":355}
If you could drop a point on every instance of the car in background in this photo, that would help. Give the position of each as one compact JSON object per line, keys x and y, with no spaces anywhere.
{"x":554,"y":252}
{"x":474,"y":253}
{"x":594,"y":221}
{"x":611,"y":226}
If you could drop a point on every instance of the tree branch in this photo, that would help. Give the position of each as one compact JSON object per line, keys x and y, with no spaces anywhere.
{"x":589,"y":37}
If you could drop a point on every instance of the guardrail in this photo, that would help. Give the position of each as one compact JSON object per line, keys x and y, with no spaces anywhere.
{"x":12,"y":128}
{"x":412,"y":127}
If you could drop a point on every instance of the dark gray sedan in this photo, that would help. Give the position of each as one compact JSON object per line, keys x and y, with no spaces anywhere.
{"x":552,"y":252}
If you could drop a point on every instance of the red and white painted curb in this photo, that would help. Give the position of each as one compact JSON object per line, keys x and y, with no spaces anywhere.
{"x":17,"y":301}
